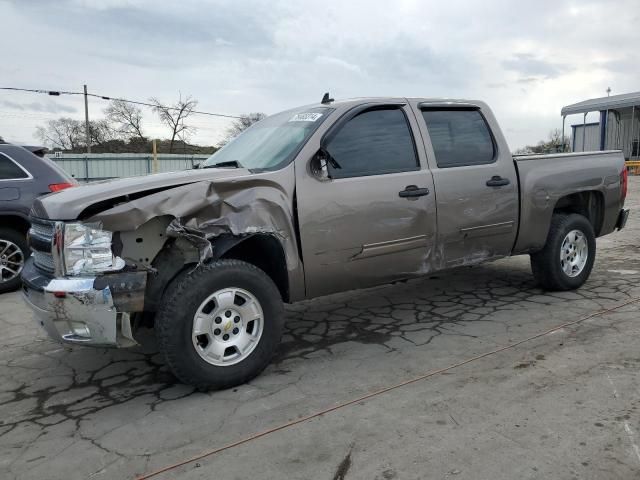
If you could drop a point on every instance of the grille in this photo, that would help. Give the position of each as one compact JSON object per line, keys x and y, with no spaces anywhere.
{"x":40,"y":236}
{"x":42,"y":229}
{"x":44,"y":261}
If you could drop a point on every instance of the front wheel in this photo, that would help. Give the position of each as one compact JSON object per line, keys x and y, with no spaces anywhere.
{"x":566,"y":260}
{"x":220,"y":325}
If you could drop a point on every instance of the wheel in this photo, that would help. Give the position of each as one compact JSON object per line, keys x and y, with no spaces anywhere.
{"x":220,"y":325}
{"x":13,"y":253}
{"x":567,"y":258}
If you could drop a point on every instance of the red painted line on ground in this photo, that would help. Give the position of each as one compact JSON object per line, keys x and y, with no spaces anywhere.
{"x":368,"y":396}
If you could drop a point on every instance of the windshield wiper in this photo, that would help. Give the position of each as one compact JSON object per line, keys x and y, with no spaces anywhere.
{"x":230,"y":163}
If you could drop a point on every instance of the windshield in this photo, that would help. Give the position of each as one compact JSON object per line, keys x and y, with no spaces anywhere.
{"x":272,"y":142}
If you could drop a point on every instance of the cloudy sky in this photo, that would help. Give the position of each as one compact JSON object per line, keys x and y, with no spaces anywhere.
{"x":526,"y":59}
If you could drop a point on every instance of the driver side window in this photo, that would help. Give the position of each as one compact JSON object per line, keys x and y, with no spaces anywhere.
{"x":374,"y":142}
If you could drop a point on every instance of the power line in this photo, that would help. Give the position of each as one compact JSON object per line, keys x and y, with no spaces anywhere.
{"x":57,"y":93}
{"x":56,"y":115}
{"x":52,"y":116}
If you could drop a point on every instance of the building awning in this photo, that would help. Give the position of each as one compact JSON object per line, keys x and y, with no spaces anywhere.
{"x":602,"y":103}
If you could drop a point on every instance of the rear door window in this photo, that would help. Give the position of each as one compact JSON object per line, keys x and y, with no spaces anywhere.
{"x":9,"y":170}
{"x":459,"y":137}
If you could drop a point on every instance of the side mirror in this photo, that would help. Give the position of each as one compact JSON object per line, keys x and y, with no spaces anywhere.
{"x":320,"y":165}
{"x":323,"y":164}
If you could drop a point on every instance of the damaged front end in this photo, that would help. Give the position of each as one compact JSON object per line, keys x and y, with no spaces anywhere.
{"x":67,"y":286}
{"x":76,"y":310}
{"x":91,"y":275}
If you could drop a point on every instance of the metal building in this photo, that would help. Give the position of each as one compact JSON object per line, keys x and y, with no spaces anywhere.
{"x":88,"y":167}
{"x":587,"y":142}
{"x":618,"y":128}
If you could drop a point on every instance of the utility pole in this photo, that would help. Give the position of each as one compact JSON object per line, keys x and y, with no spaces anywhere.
{"x":86,"y":120}
{"x":155,"y":156}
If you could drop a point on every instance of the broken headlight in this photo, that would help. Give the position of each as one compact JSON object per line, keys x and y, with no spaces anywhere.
{"x":88,"y":250}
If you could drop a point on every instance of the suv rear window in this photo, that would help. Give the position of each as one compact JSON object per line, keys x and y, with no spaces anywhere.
{"x":459,"y":137}
{"x":9,"y":170}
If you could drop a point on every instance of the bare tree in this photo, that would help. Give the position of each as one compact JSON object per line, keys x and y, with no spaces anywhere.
{"x":556,"y":142}
{"x":174,"y":116}
{"x":125,"y":118}
{"x":69,"y":134}
{"x":64,"y":133}
{"x":553,"y":144}
{"x":101,"y":132}
{"x":240,"y":125}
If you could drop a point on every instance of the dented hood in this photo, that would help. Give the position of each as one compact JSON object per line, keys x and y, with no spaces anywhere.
{"x":68,"y":204}
{"x":203,"y":204}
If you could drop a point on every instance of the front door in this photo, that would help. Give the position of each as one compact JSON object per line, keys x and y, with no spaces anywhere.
{"x":373,"y":220}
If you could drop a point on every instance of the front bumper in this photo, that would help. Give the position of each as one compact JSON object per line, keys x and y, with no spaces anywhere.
{"x":89,"y":310}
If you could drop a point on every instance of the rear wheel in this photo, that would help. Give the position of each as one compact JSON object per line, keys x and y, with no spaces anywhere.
{"x":13,"y":253}
{"x":220,"y":325}
{"x":567,"y":258}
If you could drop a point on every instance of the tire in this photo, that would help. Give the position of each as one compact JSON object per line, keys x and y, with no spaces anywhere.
{"x":556,"y":273}
{"x":13,"y":246}
{"x":208,"y":291}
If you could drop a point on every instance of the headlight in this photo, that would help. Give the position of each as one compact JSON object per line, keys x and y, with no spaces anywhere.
{"x":88,"y":250}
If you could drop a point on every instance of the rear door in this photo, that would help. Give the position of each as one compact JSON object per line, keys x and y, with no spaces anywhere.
{"x":373,"y":220}
{"x":476,"y":183}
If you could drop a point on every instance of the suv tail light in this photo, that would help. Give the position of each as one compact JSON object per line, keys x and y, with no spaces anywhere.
{"x":56,"y":187}
{"x":624,"y":183}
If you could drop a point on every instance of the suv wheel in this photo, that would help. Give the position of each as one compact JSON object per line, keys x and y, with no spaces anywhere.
{"x":220,"y":325}
{"x":567,"y":258}
{"x":13,"y":253}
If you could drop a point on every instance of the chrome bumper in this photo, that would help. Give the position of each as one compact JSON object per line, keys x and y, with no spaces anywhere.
{"x":73,"y":310}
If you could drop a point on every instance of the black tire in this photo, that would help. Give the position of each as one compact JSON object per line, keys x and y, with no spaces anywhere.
{"x":18,"y":239}
{"x":546,"y":265}
{"x":174,"y":323}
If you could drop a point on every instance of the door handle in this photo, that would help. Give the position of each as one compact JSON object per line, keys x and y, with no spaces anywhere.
{"x":413,"y":191}
{"x":497,"y":181}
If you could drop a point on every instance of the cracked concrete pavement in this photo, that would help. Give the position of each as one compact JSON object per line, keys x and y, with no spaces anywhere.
{"x":566,"y":405}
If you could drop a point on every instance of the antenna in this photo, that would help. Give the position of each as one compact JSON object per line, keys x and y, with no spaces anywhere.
{"x":326,"y":99}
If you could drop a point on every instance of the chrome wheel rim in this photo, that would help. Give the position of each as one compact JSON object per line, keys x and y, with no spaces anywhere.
{"x":11,"y":260}
{"x":227,"y":326}
{"x":574,"y":253}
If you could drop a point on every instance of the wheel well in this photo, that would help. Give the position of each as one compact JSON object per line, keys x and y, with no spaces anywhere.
{"x":265,"y":252}
{"x":15,"y":222}
{"x":588,"y":204}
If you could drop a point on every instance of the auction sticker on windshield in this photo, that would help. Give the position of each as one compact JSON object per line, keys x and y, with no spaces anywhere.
{"x":305,"y":117}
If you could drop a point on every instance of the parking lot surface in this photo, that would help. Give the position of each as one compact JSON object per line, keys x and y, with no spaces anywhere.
{"x":565,"y":405}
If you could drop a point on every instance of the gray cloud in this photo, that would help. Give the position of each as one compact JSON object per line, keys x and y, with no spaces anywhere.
{"x":163,"y":37}
{"x":531,"y":66}
{"x":47,"y":107}
{"x":528,"y":80}
{"x":628,"y":65}
{"x":268,"y":56}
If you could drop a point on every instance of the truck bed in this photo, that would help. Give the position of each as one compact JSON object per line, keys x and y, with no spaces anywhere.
{"x":545,"y":179}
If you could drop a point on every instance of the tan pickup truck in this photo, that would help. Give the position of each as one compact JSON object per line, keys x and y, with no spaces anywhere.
{"x":311,"y":201}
